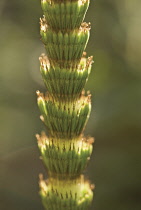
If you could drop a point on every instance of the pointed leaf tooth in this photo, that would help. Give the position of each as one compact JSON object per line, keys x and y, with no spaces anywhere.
{"x":41,"y":103}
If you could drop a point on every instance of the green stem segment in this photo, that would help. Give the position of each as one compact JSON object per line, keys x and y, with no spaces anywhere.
{"x":65,"y":108}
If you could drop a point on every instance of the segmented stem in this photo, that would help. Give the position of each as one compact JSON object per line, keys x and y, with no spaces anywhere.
{"x":65,"y":108}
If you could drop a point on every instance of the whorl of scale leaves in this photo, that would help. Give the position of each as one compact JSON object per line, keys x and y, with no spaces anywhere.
{"x":65,"y":108}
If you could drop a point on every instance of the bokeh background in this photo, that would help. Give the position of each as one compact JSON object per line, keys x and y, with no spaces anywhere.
{"x":115,"y":84}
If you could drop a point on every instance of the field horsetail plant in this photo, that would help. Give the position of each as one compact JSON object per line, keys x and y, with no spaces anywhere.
{"x":65,"y":108}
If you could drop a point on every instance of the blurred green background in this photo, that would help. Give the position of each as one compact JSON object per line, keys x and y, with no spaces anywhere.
{"x":115,"y":84}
